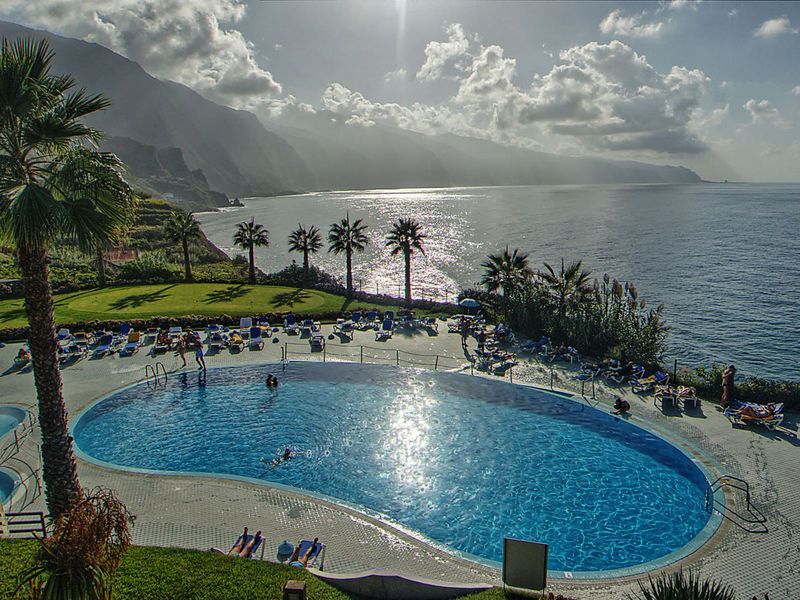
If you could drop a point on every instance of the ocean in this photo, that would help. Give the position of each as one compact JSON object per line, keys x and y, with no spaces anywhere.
{"x":723,"y":258}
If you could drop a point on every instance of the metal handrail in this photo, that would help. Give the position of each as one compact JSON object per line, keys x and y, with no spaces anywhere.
{"x":20,"y":433}
{"x":736,"y":483}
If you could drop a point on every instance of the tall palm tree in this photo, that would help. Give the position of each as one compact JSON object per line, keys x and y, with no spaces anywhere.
{"x":348,"y":237}
{"x":507,"y":271}
{"x":568,"y":288}
{"x":248,"y":236}
{"x":182,"y":227}
{"x":53,"y":184}
{"x":307,"y":241}
{"x":406,"y":236}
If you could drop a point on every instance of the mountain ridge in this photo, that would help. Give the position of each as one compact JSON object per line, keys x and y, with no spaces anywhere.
{"x":239,"y":154}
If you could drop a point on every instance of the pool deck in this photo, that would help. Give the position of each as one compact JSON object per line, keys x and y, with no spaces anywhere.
{"x":200,"y":512}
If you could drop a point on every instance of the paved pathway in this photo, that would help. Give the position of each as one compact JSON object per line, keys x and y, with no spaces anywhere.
{"x":198,"y":513}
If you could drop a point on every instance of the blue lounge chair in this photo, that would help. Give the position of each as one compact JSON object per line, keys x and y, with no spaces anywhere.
{"x":64,"y":334}
{"x":216,"y":341}
{"x":290,"y":325}
{"x":105,"y":345}
{"x":385,"y":332}
{"x":256,"y":341}
{"x":317,"y":553}
{"x":746,"y":413}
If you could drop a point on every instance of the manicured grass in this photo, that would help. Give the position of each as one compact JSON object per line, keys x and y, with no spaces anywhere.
{"x":177,"y":300}
{"x":172,"y":573}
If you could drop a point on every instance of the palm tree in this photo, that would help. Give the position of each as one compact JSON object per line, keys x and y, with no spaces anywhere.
{"x":348,"y":237}
{"x":54,"y":184}
{"x":568,"y":288}
{"x":307,"y":241}
{"x":507,"y":271}
{"x":183,"y":227}
{"x":249,"y":235}
{"x":406,"y":236}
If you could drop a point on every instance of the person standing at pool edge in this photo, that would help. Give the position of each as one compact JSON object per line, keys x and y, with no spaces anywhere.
{"x":181,"y":350}
{"x":198,"y":356}
{"x":727,"y":386}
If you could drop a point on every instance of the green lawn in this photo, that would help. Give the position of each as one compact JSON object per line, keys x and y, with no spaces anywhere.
{"x":177,"y":300}
{"x":174,"y":574}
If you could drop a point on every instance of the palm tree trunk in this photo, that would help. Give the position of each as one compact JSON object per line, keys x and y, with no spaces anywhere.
{"x":408,"y":277}
{"x":251,"y":276}
{"x":101,"y":267}
{"x":60,"y":472}
{"x":187,"y":265}
{"x":305,"y":264}
{"x":349,"y":255}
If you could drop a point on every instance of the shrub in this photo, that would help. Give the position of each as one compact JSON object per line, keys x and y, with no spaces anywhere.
{"x":708,"y":383}
{"x":152,"y":267}
{"x":682,"y":585}
{"x":86,"y":546}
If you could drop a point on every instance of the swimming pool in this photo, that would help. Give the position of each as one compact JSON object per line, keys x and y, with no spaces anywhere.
{"x":10,"y":417}
{"x":8,"y":482}
{"x":463,"y":461}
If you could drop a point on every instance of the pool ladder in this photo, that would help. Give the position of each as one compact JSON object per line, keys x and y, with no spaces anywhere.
{"x":753,"y":522}
{"x":154,"y":373}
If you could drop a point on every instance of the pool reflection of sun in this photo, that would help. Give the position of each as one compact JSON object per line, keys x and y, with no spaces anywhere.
{"x":407,"y":441}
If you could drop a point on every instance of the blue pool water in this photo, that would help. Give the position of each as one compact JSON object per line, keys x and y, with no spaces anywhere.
{"x":10,"y":417}
{"x":464,"y":461}
{"x":7,"y":483}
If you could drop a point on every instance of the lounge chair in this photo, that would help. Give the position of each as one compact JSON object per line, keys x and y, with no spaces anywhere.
{"x":175,"y":333}
{"x":151,"y":335}
{"x":746,"y":413}
{"x":63,"y":334}
{"x":236,"y":341}
{"x":245,"y":323}
{"x":317,"y":553}
{"x":385,"y":332}
{"x":306,"y":326}
{"x":317,"y":341}
{"x":216,"y":341}
{"x":83,"y":338}
{"x":104,"y":346}
{"x":162,"y":343}
{"x":667,"y":395}
{"x":370,"y":320}
{"x":256,"y":341}
{"x":688,"y":396}
{"x":648,"y":384}
{"x":134,"y":341}
{"x":290,"y":325}
{"x":430,"y":323}
{"x":245,"y":540}
{"x":355,"y":319}
{"x":124,"y":330}
{"x":71,"y":352}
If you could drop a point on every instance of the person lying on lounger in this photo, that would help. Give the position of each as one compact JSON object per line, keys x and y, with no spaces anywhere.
{"x":23,"y":355}
{"x":239,"y":544}
{"x":295,"y":560}
{"x":247,"y":551}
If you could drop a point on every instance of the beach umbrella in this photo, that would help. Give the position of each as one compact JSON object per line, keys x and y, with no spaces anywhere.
{"x":469,"y":303}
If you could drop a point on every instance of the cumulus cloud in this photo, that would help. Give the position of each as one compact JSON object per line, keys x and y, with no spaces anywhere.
{"x":441,"y":55}
{"x":489,"y":79}
{"x":398,"y":75}
{"x":764,"y":112}
{"x":611,"y":97}
{"x":189,"y":42}
{"x":423,"y":118}
{"x":681,"y":4}
{"x":633,"y":26}
{"x":775,"y":27}
{"x":796,"y":90}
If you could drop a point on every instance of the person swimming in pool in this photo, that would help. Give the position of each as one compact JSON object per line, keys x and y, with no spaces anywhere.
{"x":272,"y":381}
{"x":287,"y":454}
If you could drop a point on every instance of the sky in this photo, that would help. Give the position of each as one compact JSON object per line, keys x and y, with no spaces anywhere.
{"x":714,"y":86}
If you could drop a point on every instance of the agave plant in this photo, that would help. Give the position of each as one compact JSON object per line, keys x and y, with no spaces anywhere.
{"x":682,"y":585}
{"x":87,"y":544}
